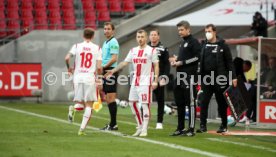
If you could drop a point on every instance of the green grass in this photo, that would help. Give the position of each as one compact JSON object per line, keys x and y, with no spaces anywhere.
{"x":23,"y":135}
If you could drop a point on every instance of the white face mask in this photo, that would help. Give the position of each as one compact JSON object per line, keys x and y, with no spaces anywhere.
{"x":209,"y":35}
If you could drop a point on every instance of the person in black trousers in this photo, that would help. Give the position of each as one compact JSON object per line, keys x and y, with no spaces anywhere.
{"x":164,"y":70}
{"x":215,"y":58}
{"x":186,"y":67}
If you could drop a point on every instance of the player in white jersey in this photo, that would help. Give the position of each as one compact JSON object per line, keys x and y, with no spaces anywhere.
{"x":87,"y":65}
{"x":146,"y":70}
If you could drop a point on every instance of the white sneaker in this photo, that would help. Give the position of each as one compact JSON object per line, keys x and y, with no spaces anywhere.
{"x":159,"y":126}
{"x":137,"y":133}
{"x":143,"y":134}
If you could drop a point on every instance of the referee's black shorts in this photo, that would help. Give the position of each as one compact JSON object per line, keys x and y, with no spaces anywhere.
{"x":110,"y":84}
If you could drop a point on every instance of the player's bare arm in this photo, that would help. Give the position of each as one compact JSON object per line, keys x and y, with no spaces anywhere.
{"x":156,"y":74}
{"x":111,"y":61}
{"x":119,"y":67}
{"x":67,"y":61}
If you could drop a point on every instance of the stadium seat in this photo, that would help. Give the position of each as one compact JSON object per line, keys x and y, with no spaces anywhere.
{"x":90,"y":15}
{"x":103,"y":16}
{"x":40,"y":13}
{"x":26,"y":14}
{"x":115,"y":7}
{"x":39,"y":5}
{"x":2,"y":5}
{"x":13,"y":28}
{"x":69,"y":24}
{"x":12,"y":14}
{"x":3,"y":27}
{"x":128,"y":7}
{"x":53,"y":4}
{"x":41,"y":23}
{"x":68,"y":14}
{"x":140,"y":1}
{"x":153,"y":1}
{"x":91,"y":24}
{"x":12,"y":5}
{"x":87,"y":5}
{"x":68,"y":4}
{"x":26,"y":5}
{"x":55,"y":24}
{"x":101,"y":6}
{"x":54,"y":14}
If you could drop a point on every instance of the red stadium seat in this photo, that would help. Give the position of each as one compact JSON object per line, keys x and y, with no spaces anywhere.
{"x":2,"y":15}
{"x":128,"y":7}
{"x":90,"y":24}
{"x":13,"y":28}
{"x":3,"y":27}
{"x":101,"y":6}
{"x":12,"y":14}
{"x":90,"y":15}
{"x":87,"y":5}
{"x":41,"y":13}
{"x":39,"y":5}
{"x":54,"y":4}
{"x":2,"y":5}
{"x":55,"y":24}
{"x":26,"y":5}
{"x":67,"y":5}
{"x":69,"y":24}
{"x":140,"y":1}
{"x":115,"y":7}
{"x":27,"y":14}
{"x":68,"y":14}
{"x":12,"y":5}
{"x":153,"y":1}
{"x":103,"y":16}
{"x":54,"y":14}
{"x":41,"y":24}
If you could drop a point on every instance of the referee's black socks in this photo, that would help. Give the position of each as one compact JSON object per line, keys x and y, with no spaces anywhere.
{"x":113,"y":113}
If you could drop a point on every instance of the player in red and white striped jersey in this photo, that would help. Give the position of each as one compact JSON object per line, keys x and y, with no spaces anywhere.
{"x":88,"y":60}
{"x":146,"y":70}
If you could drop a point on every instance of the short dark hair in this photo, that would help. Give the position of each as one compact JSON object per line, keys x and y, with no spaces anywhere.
{"x":214,"y":28}
{"x":155,"y":30}
{"x":88,"y":33}
{"x":248,"y":63}
{"x":183,"y":23}
{"x":142,"y":31}
{"x":111,"y":24}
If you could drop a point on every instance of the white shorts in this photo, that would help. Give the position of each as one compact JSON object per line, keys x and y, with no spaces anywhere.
{"x":142,"y":94}
{"x":85,"y":92}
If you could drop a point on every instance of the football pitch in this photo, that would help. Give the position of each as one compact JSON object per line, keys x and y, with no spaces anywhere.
{"x":42,"y":130}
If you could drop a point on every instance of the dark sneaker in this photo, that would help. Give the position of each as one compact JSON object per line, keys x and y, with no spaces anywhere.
{"x":222,"y":129}
{"x":202,"y":129}
{"x":110,"y":128}
{"x":189,"y":132}
{"x":177,"y":133}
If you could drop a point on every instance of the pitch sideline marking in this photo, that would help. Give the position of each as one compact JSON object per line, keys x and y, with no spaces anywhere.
{"x":174,"y":146}
{"x":241,"y":144}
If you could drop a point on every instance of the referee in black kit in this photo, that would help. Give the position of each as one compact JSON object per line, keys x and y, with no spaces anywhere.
{"x":164,"y":70}
{"x":184,"y":91}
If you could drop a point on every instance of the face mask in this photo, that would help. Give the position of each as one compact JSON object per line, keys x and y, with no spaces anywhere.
{"x":209,"y":35}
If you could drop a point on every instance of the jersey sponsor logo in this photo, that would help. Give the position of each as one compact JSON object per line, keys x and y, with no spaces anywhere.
{"x":185,"y":44}
{"x":140,"y":60}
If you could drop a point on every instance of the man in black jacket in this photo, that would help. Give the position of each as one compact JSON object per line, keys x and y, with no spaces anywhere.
{"x":186,"y":66}
{"x":215,"y":58}
{"x":164,"y":70}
